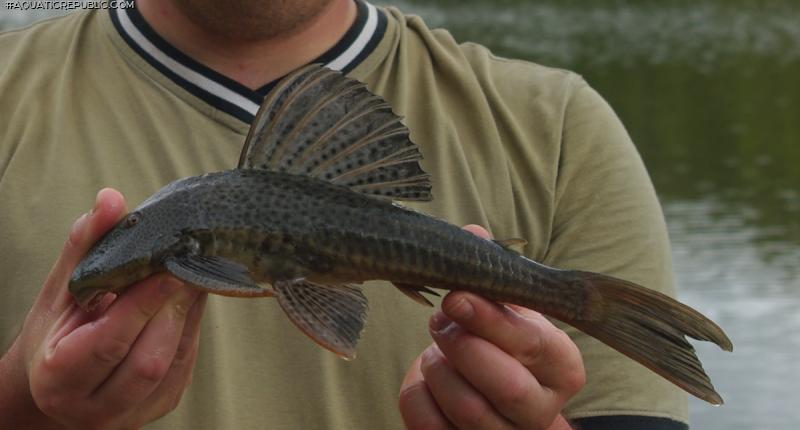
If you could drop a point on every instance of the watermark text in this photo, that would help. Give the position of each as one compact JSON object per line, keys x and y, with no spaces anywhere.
{"x":24,"y":5}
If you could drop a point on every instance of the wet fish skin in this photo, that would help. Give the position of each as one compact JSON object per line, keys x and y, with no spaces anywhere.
{"x":307,"y":212}
{"x":283,"y":227}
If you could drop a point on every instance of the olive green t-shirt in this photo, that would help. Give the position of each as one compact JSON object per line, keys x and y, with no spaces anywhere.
{"x":525,"y":150}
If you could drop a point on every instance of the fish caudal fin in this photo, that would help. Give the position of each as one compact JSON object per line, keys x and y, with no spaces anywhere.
{"x":650,"y":328}
{"x":317,"y":122}
{"x":331,"y":315}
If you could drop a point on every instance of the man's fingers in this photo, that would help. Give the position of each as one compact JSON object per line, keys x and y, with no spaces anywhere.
{"x":82,"y":359}
{"x":477,"y":231}
{"x":167,"y":395}
{"x":463,"y":405}
{"x":151,"y":357}
{"x":508,"y":385}
{"x":108,"y":208}
{"x":525,"y":335}
{"x":417,"y":405}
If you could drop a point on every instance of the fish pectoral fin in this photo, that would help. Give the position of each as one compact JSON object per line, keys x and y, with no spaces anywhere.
{"x":415,"y":292}
{"x":215,"y":275}
{"x":331,"y":315}
{"x":513,"y":244}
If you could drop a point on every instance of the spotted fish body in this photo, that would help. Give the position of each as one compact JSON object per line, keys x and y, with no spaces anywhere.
{"x":308,"y":213}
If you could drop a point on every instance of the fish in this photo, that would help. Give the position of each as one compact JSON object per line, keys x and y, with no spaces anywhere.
{"x":313,"y":210}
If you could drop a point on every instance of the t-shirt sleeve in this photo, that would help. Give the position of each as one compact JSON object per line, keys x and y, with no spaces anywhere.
{"x":607,"y":219}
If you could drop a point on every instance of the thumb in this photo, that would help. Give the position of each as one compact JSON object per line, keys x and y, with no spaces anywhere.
{"x":108,"y":208}
{"x":477,"y":231}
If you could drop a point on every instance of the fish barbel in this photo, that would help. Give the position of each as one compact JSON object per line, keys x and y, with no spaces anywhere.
{"x":309,"y":212}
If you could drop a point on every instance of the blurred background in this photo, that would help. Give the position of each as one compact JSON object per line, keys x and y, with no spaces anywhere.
{"x":710,"y":92}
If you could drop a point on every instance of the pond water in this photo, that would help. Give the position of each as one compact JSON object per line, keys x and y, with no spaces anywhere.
{"x":709,"y":90}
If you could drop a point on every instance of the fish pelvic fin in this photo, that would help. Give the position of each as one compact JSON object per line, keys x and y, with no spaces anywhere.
{"x":319,"y":123}
{"x":331,"y":315}
{"x":650,"y":328}
{"x":414,"y":292}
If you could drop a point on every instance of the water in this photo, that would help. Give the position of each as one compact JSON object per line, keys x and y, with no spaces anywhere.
{"x":709,"y":92}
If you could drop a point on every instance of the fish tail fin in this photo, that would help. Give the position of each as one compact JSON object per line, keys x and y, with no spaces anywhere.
{"x":650,"y":328}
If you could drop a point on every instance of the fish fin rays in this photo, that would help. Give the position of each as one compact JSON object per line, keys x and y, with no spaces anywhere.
{"x":319,"y":123}
{"x":331,"y":315}
{"x":215,"y":275}
{"x":650,"y":328}
{"x":415,"y":292}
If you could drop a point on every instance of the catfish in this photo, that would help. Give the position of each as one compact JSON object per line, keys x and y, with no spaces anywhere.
{"x":311,"y":212}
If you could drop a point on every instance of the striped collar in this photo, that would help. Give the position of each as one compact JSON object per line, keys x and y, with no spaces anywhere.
{"x":224,"y":93}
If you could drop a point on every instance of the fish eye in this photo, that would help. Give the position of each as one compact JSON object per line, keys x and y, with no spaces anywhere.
{"x":133,"y":219}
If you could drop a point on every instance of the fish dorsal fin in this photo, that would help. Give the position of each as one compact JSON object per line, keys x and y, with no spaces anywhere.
{"x":317,"y":122}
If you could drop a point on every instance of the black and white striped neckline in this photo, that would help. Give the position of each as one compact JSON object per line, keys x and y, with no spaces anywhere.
{"x":224,"y":93}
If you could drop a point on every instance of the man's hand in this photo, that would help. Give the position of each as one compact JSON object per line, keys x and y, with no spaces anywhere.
{"x":491,"y":367}
{"x":122,"y":365}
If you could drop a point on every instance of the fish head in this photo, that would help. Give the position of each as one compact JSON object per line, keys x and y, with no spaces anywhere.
{"x":134,"y":248}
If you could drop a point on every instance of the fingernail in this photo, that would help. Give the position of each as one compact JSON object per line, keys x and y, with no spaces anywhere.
{"x":439,"y":322}
{"x":96,"y":205}
{"x":428,"y":355}
{"x":78,"y":227}
{"x":461,"y":309}
{"x":79,"y":223}
{"x":111,"y":204}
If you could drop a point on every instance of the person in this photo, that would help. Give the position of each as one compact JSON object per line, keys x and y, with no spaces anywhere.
{"x":134,"y":98}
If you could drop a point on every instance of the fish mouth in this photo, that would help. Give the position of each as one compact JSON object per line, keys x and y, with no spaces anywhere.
{"x":89,"y":286}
